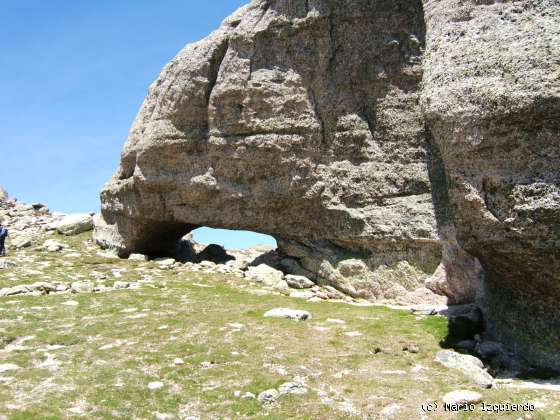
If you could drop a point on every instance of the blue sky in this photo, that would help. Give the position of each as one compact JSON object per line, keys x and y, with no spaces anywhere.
{"x":73,"y":75}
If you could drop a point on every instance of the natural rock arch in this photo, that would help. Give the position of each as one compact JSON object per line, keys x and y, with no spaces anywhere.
{"x":312,"y":121}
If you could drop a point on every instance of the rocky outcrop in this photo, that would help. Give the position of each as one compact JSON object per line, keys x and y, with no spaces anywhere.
{"x":296,"y":119}
{"x":491,"y":98}
{"x":381,"y":143}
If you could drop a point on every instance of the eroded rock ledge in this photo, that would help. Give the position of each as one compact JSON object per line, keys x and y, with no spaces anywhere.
{"x":332,"y":126}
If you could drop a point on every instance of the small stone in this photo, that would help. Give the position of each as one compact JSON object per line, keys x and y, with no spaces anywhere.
{"x":390,"y":411}
{"x":155,"y":385}
{"x":137,"y":257}
{"x":163,"y":416}
{"x":336,"y":321}
{"x":293,"y":388}
{"x":178,"y":361}
{"x":302,"y":294}
{"x":70,"y":303}
{"x":51,"y":245}
{"x":82,"y":287}
{"x":353,"y":334}
{"x":269,"y":396}
{"x":287,"y":313}
{"x":462,"y":397}
{"x":248,"y":396}
{"x":118,"y":285}
{"x":8,"y":367}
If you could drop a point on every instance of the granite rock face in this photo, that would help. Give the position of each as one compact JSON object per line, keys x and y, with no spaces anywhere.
{"x":491,"y":97}
{"x":382,"y":143}
{"x":299,"y":119}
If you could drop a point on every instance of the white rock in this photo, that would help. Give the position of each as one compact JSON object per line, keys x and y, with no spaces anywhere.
{"x":462,"y":397}
{"x":299,"y":282}
{"x":336,"y":321}
{"x":353,"y":334}
{"x":73,"y":224}
{"x":390,"y":411}
{"x":137,"y":257}
{"x":70,"y":303}
{"x":268,"y":396}
{"x":302,"y":294}
{"x":82,"y":287}
{"x":22,"y":241}
{"x":295,"y":314}
{"x":121,"y":285}
{"x":155,"y":385}
{"x":51,"y":245}
{"x":293,"y":388}
{"x":264,"y":274}
{"x":178,"y":361}
{"x":7,"y":367}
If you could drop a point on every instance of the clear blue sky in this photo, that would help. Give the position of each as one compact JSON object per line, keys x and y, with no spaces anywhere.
{"x":73,"y":75}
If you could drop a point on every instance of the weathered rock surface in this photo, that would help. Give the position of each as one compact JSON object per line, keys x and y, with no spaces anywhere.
{"x":73,"y":224}
{"x":470,"y":366}
{"x":492,"y":101}
{"x":381,"y":143}
{"x":298,"y":120}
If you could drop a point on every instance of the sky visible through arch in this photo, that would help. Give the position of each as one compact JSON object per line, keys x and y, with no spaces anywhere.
{"x":73,"y":75}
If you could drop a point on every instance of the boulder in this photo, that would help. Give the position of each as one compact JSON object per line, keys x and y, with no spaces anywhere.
{"x":264,"y":274}
{"x":21,"y":241}
{"x":295,"y":119}
{"x":293,"y":314}
{"x":492,"y":106}
{"x":82,"y":287}
{"x":214,"y":253}
{"x":73,"y":224}
{"x":469,"y":365}
{"x":462,"y":397}
{"x":51,"y":245}
{"x":299,"y":282}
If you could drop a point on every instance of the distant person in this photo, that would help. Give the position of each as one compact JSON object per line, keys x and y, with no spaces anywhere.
{"x":3,"y":235}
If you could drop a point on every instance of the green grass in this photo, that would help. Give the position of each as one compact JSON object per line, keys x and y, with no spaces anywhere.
{"x":346,"y":377}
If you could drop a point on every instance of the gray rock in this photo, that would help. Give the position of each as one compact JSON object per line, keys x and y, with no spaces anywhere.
{"x":264,"y":274}
{"x":470,"y":366}
{"x":294,"y":314}
{"x":16,"y":290}
{"x":51,"y":245}
{"x":302,"y":294}
{"x":299,"y":282}
{"x":21,"y":241}
{"x":82,"y":287}
{"x":462,"y":397}
{"x":269,"y":396}
{"x":6,"y":263}
{"x":293,"y":388}
{"x":493,"y":114}
{"x":73,"y":224}
{"x":121,"y":285}
{"x":296,"y":120}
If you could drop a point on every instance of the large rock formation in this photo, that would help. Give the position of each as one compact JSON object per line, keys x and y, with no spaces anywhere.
{"x":315,"y":122}
{"x":491,"y":97}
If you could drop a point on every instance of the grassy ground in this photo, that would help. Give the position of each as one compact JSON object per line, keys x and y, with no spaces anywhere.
{"x":95,"y":359}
